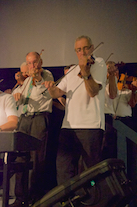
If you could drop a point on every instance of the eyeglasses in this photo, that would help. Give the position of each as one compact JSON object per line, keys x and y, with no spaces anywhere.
{"x":84,"y":49}
{"x":32,"y":63}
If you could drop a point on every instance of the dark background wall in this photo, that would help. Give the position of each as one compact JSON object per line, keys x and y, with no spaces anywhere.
{"x":8,"y":74}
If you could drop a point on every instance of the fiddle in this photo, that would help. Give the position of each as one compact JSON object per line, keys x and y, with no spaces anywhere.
{"x":19,"y":77}
{"x":126,"y":81}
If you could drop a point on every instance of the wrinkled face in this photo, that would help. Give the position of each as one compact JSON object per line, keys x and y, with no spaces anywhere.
{"x":33,"y":61}
{"x":83,"y":48}
{"x":24,"y":70}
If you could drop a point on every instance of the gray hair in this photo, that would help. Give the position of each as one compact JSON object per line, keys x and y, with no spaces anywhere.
{"x":85,"y":37}
{"x":110,"y":62}
{"x":23,"y":64}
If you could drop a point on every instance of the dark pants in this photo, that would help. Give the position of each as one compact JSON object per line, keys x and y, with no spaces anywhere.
{"x":36,"y":126}
{"x":76,"y":143}
{"x":109,"y":146}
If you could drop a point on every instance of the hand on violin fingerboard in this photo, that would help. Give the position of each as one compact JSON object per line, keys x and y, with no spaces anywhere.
{"x":85,"y":64}
{"x":112,"y":70}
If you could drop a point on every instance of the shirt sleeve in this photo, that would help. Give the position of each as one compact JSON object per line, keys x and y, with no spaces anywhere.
{"x":10,"y":106}
{"x":99,"y":71}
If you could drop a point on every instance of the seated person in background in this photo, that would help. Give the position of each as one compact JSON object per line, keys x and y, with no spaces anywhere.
{"x":20,"y":76}
{"x":8,"y":117}
{"x":109,"y":140}
{"x":8,"y":112}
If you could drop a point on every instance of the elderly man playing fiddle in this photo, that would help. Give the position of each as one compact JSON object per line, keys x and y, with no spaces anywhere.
{"x":82,"y":129}
{"x":34,"y":121}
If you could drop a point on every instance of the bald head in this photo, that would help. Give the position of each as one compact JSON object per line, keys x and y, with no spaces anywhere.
{"x":33,"y":60}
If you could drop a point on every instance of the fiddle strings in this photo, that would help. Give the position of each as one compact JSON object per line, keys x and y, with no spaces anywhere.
{"x":58,"y":81}
{"x":40,"y":56}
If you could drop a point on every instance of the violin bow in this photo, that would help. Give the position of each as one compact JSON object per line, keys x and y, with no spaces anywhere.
{"x":40,"y":56}
{"x":109,"y":57}
{"x":14,"y":87}
{"x":58,"y":81}
{"x":1,"y":80}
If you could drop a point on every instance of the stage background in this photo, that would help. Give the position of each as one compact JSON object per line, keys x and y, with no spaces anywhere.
{"x":53,"y":25}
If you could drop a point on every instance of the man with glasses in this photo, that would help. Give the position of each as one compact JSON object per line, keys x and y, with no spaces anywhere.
{"x":83,"y":124}
{"x":34,"y":121}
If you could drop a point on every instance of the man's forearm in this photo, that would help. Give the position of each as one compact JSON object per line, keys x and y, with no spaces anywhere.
{"x":55,"y":92}
{"x":92,"y":87}
{"x":112,"y":87}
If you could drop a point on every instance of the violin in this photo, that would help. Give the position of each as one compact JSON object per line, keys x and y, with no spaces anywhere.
{"x":20,"y":79}
{"x":125,"y":81}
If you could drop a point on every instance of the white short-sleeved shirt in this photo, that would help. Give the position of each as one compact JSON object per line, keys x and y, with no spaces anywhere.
{"x":19,"y":110}
{"x":83,"y":111}
{"x":109,"y":106}
{"x":121,"y":106}
{"x":7,"y":107}
{"x":37,"y":102}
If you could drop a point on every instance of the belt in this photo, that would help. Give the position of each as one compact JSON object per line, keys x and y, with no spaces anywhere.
{"x":34,"y":113}
{"x":121,"y":118}
{"x":109,"y":115}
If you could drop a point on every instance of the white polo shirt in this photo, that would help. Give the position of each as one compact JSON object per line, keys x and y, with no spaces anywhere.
{"x":109,"y":106}
{"x":83,"y":111}
{"x":121,"y":106}
{"x":7,"y":107}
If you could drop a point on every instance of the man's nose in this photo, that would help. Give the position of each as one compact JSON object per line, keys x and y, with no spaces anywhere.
{"x":83,"y":51}
{"x":32,"y":65}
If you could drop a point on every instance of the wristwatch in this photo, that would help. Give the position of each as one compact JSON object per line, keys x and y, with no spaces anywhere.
{"x":86,"y":77}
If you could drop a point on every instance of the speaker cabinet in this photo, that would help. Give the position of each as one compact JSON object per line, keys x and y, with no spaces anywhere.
{"x":103,"y":185}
